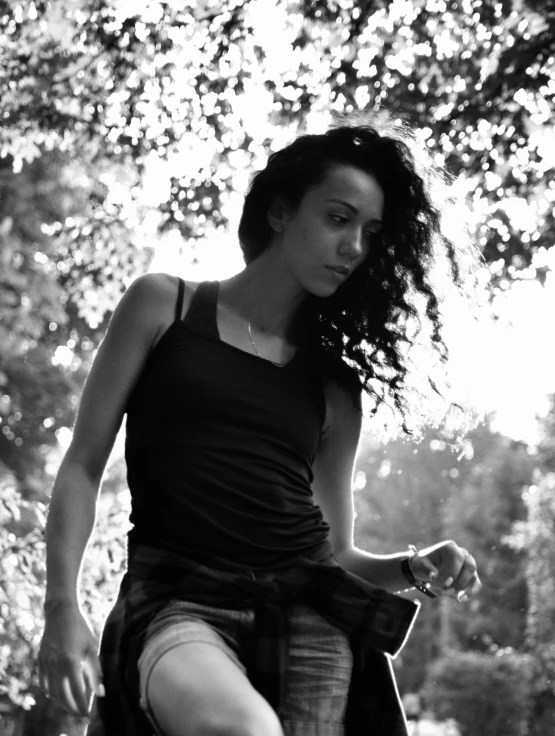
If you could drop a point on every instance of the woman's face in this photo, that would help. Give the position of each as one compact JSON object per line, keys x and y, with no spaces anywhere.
{"x":334,"y":226}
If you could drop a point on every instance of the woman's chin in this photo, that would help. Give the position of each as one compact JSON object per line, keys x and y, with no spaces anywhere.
{"x":322,"y":291}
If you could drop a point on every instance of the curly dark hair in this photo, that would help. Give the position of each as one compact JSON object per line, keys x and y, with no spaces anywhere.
{"x":361,"y":331}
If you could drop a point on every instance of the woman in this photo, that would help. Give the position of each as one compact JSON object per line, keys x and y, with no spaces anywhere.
{"x":246,"y":608}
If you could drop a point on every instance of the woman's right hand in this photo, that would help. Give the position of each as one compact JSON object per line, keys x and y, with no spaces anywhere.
{"x":69,"y":668}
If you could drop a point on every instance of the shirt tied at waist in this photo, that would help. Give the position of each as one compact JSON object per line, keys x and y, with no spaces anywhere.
{"x":377,"y":623}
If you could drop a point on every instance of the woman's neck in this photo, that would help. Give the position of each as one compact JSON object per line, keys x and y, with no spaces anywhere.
{"x":267,"y":296}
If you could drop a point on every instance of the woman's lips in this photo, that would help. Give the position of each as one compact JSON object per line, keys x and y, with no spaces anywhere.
{"x":341,"y":275}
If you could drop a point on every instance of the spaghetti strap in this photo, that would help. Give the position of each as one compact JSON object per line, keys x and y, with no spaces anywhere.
{"x":201,"y":313}
{"x":179,"y":303}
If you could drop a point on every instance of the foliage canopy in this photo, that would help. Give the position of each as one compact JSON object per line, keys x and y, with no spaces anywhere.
{"x":126,"y":126}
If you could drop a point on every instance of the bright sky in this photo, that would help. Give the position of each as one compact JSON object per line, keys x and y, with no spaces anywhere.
{"x":512,"y":370}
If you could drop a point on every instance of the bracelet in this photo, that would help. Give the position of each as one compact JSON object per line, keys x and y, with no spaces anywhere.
{"x":408,"y":574}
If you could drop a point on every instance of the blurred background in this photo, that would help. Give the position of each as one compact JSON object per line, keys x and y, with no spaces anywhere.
{"x":129,"y":130}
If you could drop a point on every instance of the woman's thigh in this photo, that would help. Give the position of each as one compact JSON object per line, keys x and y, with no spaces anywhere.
{"x":318,"y":678}
{"x":192,"y":677}
{"x":196,"y":689}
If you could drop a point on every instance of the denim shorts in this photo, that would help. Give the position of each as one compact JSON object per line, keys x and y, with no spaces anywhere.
{"x":320,"y":660}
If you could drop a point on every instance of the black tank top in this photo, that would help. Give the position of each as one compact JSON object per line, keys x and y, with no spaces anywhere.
{"x":219,"y":447}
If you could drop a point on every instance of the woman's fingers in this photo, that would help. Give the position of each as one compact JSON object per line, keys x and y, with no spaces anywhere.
{"x":43,"y":681}
{"x":68,"y":688}
{"x":464,"y":581}
{"x":457,"y":571}
{"x":428,"y":569}
{"x":69,"y":668}
{"x":92,"y":674}
{"x":472,"y":589}
{"x":68,"y":700}
{"x":448,"y":558}
{"x":466,"y":572}
{"x":83,"y":682}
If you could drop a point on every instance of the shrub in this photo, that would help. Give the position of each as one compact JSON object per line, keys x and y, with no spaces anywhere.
{"x":485,"y":693}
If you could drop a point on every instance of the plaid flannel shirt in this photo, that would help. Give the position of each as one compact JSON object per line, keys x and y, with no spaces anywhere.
{"x":377,"y":623}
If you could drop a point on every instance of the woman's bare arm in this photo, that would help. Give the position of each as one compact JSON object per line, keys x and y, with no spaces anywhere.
{"x":453,"y":568}
{"x":333,"y":473}
{"x":143,"y":312}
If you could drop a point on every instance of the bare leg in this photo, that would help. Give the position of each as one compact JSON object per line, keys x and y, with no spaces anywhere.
{"x":195,"y":689}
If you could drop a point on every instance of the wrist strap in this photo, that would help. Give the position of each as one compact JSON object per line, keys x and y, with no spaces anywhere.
{"x":406,"y":570}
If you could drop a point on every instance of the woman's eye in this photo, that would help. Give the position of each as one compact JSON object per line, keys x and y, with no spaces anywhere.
{"x":339,"y":218}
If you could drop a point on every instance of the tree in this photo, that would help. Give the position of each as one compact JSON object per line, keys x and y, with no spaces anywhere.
{"x":483,"y":693}
{"x":423,"y":492}
{"x":173,"y":87}
{"x":535,"y":535}
{"x":22,"y":571}
{"x":115,"y":97}
{"x":46,"y":346}
{"x":123,"y":124}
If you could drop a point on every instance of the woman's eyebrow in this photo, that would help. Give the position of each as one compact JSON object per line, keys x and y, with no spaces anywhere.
{"x":353,"y":209}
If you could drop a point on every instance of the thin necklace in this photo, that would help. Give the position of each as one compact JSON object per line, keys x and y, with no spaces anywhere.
{"x":279,"y":365}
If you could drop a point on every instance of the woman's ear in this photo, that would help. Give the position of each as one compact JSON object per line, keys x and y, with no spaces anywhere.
{"x":277,"y":215}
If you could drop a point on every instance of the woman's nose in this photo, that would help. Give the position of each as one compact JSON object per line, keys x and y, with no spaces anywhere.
{"x":354,"y":244}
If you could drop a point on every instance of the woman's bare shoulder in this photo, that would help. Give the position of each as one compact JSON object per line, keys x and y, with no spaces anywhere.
{"x":159,"y":291}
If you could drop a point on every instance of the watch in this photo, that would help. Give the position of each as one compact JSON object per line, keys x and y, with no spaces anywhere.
{"x":408,"y":574}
